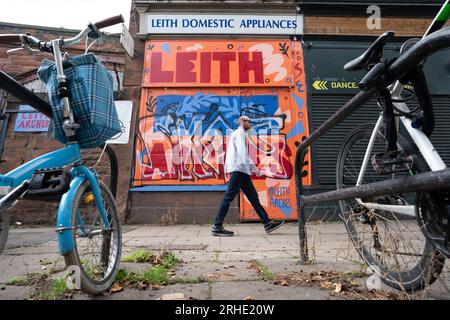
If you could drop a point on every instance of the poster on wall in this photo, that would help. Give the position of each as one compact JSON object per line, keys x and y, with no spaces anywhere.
{"x":183,"y":132}
{"x":124,"y":110}
{"x":30,"y":120}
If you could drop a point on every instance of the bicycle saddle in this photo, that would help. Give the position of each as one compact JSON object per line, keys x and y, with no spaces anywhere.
{"x":372,"y":55}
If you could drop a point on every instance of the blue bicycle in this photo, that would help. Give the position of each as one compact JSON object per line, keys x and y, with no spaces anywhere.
{"x":88,"y":226}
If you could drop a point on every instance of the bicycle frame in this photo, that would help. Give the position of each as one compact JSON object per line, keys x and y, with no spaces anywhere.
{"x":425,"y":146}
{"x":59,"y":158}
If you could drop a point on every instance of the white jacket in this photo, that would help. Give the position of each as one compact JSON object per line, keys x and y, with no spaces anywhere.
{"x":237,"y":158}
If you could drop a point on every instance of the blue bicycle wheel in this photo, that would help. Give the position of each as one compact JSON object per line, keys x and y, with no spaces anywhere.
{"x":97,"y":246}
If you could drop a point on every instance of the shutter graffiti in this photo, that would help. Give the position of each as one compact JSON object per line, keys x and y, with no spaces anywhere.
{"x":193,"y":93}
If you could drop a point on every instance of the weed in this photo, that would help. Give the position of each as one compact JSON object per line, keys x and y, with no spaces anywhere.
{"x":155,"y":275}
{"x":169,"y":259}
{"x":139,"y":256}
{"x":188,"y":280}
{"x":57,"y":290}
{"x":45,"y":262}
{"x":28,"y":279}
{"x":263,"y":270}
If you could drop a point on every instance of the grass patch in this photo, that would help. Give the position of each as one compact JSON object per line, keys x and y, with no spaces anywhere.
{"x":169,"y":259}
{"x":155,"y":275}
{"x":139,"y":256}
{"x":56,"y":291}
{"x":28,"y":279}
{"x":263,"y":270}
{"x":19,"y":281}
{"x":44,"y":287}
{"x":361,"y":264}
{"x":124,"y":276}
{"x":45,"y":262}
{"x":188,"y":280}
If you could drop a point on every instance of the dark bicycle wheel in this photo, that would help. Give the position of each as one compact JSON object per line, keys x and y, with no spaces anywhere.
{"x":392,"y":242}
{"x":104,"y":161}
{"x":98,"y":247}
{"x":4,"y":229}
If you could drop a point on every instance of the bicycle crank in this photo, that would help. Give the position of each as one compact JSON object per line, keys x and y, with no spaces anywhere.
{"x":391,"y":162}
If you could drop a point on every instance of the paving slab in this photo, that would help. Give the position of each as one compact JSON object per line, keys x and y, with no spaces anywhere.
{"x":18,"y":265}
{"x":217,"y":271}
{"x":14,"y":292}
{"x":191,"y":292}
{"x":224,"y":260}
{"x":262,"y":290}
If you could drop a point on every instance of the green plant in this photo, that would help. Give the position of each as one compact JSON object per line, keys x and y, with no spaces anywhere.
{"x":45,"y":262}
{"x":261,"y":268}
{"x":154,"y":275}
{"x":28,"y":279}
{"x":169,"y":259}
{"x":139,"y":256}
{"x":188,"y":280}
{"x":19,"y":281}
{"x":57,"y":290}
{"x":124,"y":276}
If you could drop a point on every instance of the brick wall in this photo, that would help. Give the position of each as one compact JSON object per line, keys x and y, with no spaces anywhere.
{"x":349,"y":26}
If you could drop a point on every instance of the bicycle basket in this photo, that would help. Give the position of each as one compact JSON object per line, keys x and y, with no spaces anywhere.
{"x":91,"y":99}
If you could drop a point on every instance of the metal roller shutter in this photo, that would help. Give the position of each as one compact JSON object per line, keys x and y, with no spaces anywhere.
{"x":326,"y":149}
{"x":441,"y":133}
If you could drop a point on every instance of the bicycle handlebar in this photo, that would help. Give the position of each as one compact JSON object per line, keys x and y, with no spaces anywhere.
{"x":10,"y":39}
{"x":381,"y":76}
{"x":416,"y":54}
{"x":109,"y":22}
{"x":45,"y":45}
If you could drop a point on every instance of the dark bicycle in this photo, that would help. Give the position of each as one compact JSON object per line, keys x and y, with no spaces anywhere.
{"x":393,"y":192}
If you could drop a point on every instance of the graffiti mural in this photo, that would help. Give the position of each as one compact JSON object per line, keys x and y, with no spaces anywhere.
{"x":182,"y":133}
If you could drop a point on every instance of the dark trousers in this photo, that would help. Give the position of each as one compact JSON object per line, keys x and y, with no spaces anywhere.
{"x":238,"y":181}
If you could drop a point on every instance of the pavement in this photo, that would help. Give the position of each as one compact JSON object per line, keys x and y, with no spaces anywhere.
{"x":251,"y":265}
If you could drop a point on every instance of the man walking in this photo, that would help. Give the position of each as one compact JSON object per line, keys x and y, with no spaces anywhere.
{"x":240,"y":166}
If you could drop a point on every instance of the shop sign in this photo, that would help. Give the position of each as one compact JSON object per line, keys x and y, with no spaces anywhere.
{"x":210,"y":63}
{"x":186,"y":23}
{"x":29,"y":120}
{"x":326,"y":85}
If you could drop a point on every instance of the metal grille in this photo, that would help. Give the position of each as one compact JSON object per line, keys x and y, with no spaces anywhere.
{"x":326,"y":149}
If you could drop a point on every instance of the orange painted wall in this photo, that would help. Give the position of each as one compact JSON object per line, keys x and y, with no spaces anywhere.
{"x":193,"y":93}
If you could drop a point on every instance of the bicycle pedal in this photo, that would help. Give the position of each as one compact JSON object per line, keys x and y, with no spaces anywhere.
{"x":49,"y":184}
{"x":391,"y":162}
